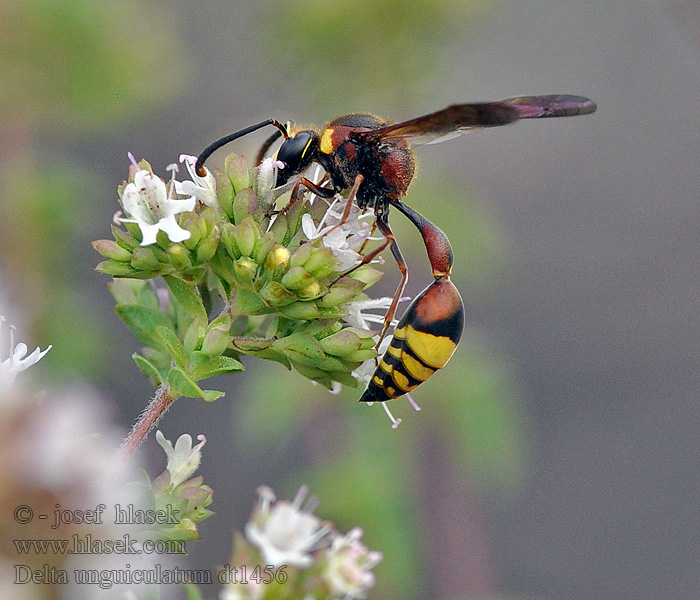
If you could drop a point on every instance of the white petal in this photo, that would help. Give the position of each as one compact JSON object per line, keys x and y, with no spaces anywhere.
{"x":309,"y":227}
{"x":174,"y":232}
{"x":148,"y":233}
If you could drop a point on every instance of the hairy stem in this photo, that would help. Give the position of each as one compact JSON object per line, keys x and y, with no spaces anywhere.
{"x":147,"y":420}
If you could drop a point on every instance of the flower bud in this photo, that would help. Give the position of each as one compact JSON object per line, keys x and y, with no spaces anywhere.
{"x":277,"y":262}
{"x":312,"y":291}
{"x":179,"y":257}
{"x":246,"y":233}
{"x":301,"y":348}
{"x":301,"y":255}
{"x":117,"y":269}
{"x":279,"y":227}
{"x":321,"y":263}
{"x":110,"y":249}
{"x":207,"y":247}
{"x":193,"y":337}
{"x":360,"y":356}
{"x":263,"y":247}
{"x":228,"y":239}
{"x":237,"y":170}
{"x":275,"y":294}
{"x":245,"y":269}
{"x":144,"y":259}
{"x":301,"y":310}
{"x":197,"y":227}
{"x":367,"y":275}
{"x":341,"y":344}
{"x":296,"y":278}
{"x":243,"y":204}
{"x":343,"y":291}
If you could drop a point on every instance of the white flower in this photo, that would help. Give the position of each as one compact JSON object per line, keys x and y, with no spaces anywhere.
{"x":202,"y":188}
{"x":357,"y":317}
{"x":249,"y":590}
{"x":343,"y":240}
{"x":348,"y":571}
{"x":18,"y":359}
{"x":283,"y":531}
{"x":183,"y":459}
{"x":148,"y":202}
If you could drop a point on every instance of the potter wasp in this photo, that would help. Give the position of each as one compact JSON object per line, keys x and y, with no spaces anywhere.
{"x":373,"y":159}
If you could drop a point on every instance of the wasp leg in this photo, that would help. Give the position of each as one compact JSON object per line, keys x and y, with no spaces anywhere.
{"x":348,"y":205}
{"x":396,"y":252}
{"x":319,"y":190}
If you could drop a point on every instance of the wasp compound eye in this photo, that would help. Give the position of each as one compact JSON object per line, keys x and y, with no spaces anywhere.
{"x":296,"y":153}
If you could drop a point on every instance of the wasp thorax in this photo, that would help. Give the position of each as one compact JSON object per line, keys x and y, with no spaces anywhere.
{"x":296,"y":153}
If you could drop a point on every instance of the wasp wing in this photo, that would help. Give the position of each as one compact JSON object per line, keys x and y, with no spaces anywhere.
{"x":539,"y":107}
{"x":462,"y":118}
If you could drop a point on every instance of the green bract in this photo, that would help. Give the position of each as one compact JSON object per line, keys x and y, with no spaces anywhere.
{"x":245,"y":282}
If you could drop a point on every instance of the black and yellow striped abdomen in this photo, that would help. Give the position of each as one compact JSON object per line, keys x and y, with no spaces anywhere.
{"x":423,"y":342}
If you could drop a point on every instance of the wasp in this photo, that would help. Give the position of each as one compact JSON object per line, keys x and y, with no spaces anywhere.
{"x":373,"y":159}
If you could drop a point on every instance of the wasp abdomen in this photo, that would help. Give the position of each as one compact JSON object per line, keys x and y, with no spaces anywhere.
{"x":424,"y":340}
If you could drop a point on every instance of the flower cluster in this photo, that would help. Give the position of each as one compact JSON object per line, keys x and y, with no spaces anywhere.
{"x":176,"y":492}
{"x":303,"y":556}
{"x":272,"y":278}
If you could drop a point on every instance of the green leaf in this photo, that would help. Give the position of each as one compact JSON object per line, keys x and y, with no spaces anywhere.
{"x":148,"y":368}
{"x":116,"y":268}
{"x":142,"y":322}
{"x":181,"y":383}
{"x":211,"y":395}
{"x":237,"y":170}
{"x":202,"y":366}
{"x":188,"y":298}
{"x":173,"y":344}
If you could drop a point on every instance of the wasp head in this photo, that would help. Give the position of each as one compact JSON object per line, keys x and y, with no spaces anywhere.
{"x":296,"y":153}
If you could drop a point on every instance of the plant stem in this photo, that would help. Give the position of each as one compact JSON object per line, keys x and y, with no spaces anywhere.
{"x":147,"y":420}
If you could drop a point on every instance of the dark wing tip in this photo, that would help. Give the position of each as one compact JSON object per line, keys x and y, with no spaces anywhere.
{"x":538,"y":107}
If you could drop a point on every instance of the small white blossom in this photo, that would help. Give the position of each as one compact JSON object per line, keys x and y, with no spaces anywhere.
{"x":183,"y":459}
{"x":18,"y":359}
{"x":348,"y":570}
{"x":285,"y":533}
{"x":343,"y":240}
{"x":357,"y":317}
{"x":147,"y":201}
{"x":202,"y":188}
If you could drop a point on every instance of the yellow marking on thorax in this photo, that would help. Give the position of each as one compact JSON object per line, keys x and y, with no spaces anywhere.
{"x":326,"y":141}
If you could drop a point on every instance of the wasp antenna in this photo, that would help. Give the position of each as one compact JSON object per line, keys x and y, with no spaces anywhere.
{"x":214,"y":146}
